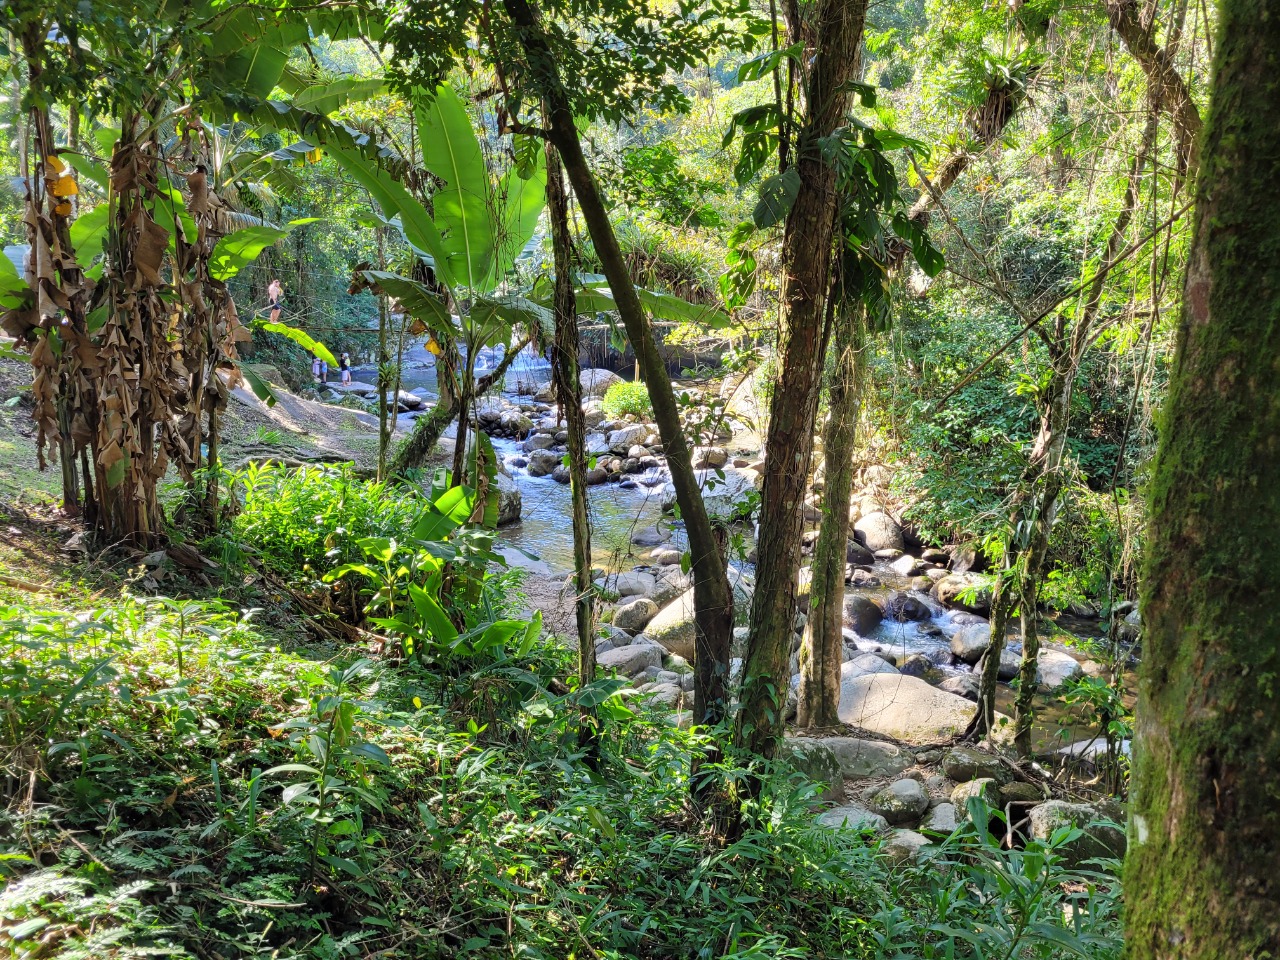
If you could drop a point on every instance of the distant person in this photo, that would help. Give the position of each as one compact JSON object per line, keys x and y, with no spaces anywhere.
{"x":344,"y":362}
{"x":315,"y":368}
{"x":324,"y":371}
{"x":274,"y":292}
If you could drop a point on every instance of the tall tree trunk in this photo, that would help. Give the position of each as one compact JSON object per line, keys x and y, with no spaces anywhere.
{"x":1201,"y":875}
{"x":568,"y":390}
{"x":822,"y":651}
{"x":807,"y":251}
{"x":713,"y":600}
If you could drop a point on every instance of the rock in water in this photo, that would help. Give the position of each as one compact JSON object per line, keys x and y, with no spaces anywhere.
{"x":965,"y":591}
{"x":1054,"y":669}
{"x":880,"y":532}
{"x":970,"y":642}
{"x":509,"y":500}
{"x":903,"y":707}
{"x":962,"y":685}
{"x":862,"y":613}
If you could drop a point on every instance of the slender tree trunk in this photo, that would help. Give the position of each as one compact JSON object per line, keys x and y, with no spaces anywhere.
{"x":985,"y":718}
{"x":822,"y":652}
{"x":415,"y":448}
{"x":808,"y":245}
{"x":713,"y":600}
{"x":1205,"y":838}
{"x":568,"y":389}
{"x":384,"y":360}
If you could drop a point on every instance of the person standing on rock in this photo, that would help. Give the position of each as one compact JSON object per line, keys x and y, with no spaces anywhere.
{"x":344,"y":363}
{"x":274,"y":293}
{"x":315,"y":368}
{"x":324,"y":372}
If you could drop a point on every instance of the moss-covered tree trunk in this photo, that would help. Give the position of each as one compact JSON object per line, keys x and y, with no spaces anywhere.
{"x":822,"y":651}
{"x":807,"y":253}
{"x":712,"y":598}
{"x":1205,"y":835}
{"x":568,"y":390}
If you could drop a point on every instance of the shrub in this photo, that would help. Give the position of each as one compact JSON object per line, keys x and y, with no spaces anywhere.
{"x":627,"y":398}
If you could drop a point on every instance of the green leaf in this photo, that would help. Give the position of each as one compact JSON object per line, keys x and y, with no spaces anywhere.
{"x":777,"y":195}
{"x":417,"y":298}
{"x":241,"y":247}
{"x":432,"y":615}
{"x":89,"y":233}
{"x":14,"y":291}
{"x":261,"y":389}
{"x":451,"y":151}
{"x":397,"y":202}
{"x":328,"y":97}
{"x":521,"y":200}
{"x":87,"y":167}
{"x":302,"y":339}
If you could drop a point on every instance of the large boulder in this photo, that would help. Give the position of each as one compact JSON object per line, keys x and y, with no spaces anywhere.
{"x":816,"y":761}
{"x":624,"y":438}
{"x":902,"y":801}
{"x":509,"y":500}
{"x":965,"y":591}
{"x":595,"y":381}
{"x":539,"y":441}
{"x":853,"y":817}
{"x":542,"y":462}
{"x":903,"y":846}
{"x":635,"y":616}
{"x":971,"y":641}
{"x":962,"y":685}
{"x":1102,"y":837}
{"x":725,"y":498}
{"x":906,"y":708}
{"x":966,"y":557}
{"x":864,"y":664}
{"x":858,"y":554}
{"x":673,"y":627}
{"x":635,"y":583}
{"x":985,"y":789}
{"x":904,"y":608}
{"x":1010,"y":664}
{"x":879,"y":531}
{"x":595,"y":444}
{"x":1054,"y":668}
{"x":941,"y":819}
{"x":632,"y":659}
{"x":862,"y":613}
{"x":864,"y":759}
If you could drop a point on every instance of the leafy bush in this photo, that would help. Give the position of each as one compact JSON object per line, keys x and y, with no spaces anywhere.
{"x":311,"y":519}
{"x":627,"y":397}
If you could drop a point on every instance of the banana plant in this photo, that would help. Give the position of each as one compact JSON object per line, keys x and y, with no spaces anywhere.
{"x":466,"y":244}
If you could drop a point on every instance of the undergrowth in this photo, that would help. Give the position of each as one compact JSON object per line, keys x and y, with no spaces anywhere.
{"x":177,"y":784}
